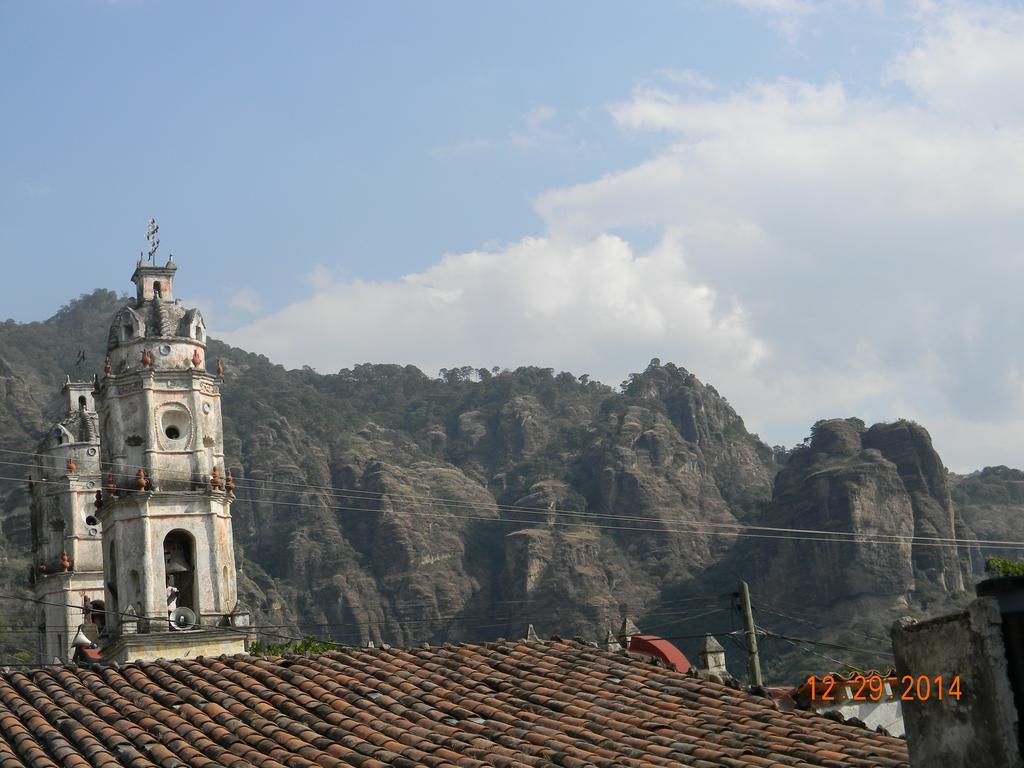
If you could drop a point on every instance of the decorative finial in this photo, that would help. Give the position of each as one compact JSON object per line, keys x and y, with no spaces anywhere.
{"x":154,"y":241}
{"x":147,"y":358}
{"x":215,"y":480}
{"x":65,"y":561}
{"x":229,"y":483}
{"x":108,"y":366}
{"x":72,"y":466}
{"x":197,"y":359}
{"x":220,"y":367}
{"x":140,"y":479}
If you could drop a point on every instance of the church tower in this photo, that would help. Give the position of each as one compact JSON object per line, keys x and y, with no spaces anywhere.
{"x":67,"y":569}
{"x":166,"y":512}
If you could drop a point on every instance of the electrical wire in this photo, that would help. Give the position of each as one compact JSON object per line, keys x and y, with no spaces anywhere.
{"x":372,"y":620}
{"x":817,"y":534}
{"x":812,"y":652}
{"x":133,"y":616}
{"x":826,"y":536}
{"x":822,"y":644}
{"x":801,"y":611}
{"x":761,"y":607}
{"x":531,"y":616}
{"x":695,"y":528}
{"x":261,"y":629}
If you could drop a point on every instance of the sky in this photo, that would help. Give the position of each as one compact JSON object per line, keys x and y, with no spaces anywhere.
{"x":814,"y":206}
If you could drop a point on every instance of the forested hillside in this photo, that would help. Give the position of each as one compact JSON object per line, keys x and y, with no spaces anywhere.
{"x":379,"y":503}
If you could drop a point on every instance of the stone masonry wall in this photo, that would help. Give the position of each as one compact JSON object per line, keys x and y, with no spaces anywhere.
{"x":980,"y":729}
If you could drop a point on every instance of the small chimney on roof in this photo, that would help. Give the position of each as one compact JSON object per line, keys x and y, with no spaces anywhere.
{"x":531,"y":635}
{"x":712,"y":656}
{"x":610,"y":644}
{"x":627,"y":630}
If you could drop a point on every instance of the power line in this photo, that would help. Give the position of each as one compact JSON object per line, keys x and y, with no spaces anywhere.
{"x":819,"y":643}
{"x":761,"y":607}
{"x":261,"y":629}
{"x":729,"y":528}
{"x":802,"y":615}
{"x":825,"y":536}
{"x":460,"y":619}
{"x":373,"y":620}
{"x":812,"y":652}
{"x":374,"y":496}
{"x":157,"y":617}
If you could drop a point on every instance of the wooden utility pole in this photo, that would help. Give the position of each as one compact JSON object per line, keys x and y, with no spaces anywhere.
{"x":753,"y":662}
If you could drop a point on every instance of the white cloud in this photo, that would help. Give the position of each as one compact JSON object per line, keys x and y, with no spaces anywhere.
{"x":787,"y":16}
{"x":844,"y":222}
{"x":245,"y":300}
{"x":687,"y":78}
{"x":825,"y":253}
{"x":584,"y":307}
{"x":534,"y":130}
{"x":467,"y":147}
{"x":779,"y":7}
{"x":969,"y":64}
{"x":35,"y":190}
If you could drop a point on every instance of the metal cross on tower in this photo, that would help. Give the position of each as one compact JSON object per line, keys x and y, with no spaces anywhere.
{"x":154,"y":241}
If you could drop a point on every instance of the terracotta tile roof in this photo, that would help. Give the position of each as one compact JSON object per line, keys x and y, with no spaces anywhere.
{"x":511,"y":705}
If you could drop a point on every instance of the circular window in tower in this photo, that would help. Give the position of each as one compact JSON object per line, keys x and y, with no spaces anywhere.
{"x":165,"y":349}
{"x":175,"y":427}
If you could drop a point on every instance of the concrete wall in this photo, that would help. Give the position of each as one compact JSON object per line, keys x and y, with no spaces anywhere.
{"x":980,"y":729}
{"x":61,"y":611}
{"x":176,"y":645}
{"x":63,"y":519}
{"x":886,"y":713}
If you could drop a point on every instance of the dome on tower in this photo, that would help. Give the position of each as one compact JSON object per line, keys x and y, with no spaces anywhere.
{"x":154,"y":330}
{"x":80,"y":423}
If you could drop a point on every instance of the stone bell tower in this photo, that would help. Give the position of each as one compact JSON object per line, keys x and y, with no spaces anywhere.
{"x":67,"y":565}
{"x":166,"y":511}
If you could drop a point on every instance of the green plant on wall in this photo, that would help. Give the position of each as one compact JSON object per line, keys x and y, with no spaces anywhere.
{"x":308,"y":644}
{"x":1001,"y":566}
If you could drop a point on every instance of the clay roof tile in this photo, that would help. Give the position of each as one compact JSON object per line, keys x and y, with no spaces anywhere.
{"x":505,"y":704}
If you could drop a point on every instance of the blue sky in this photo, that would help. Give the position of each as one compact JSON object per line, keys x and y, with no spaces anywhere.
{"x":813,"y":205}
{"x":272,"y":138}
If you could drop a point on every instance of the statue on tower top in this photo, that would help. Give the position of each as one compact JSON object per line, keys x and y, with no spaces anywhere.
{"x":154,"y":241}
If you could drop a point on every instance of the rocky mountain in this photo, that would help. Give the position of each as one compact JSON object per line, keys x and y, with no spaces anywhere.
{"x":991,"y":503}
{"x":378,"y":503}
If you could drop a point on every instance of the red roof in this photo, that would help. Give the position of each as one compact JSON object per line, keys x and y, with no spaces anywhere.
{"x":496,"y":705}
{"x":652,"y":645}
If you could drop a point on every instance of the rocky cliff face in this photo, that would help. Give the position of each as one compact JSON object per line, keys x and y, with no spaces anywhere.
{"x":381,"y":504}
{"x":991,"y":505}
{"x":521,"y":498}
{"x":884,"y":481}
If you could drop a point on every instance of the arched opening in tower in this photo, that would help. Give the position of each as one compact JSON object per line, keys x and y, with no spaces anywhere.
{"x":179,"y":567}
